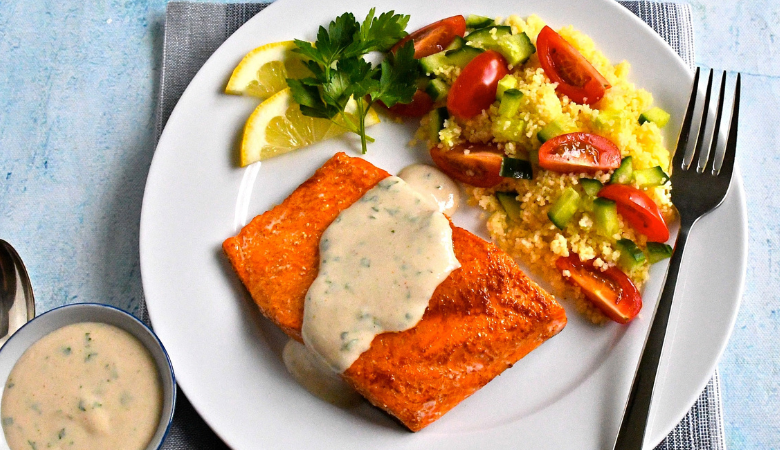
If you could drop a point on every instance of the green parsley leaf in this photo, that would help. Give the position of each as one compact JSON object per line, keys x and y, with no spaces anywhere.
{"x":398,"y":82}
{"x":339,"y":72}
{"x":381,"y":33}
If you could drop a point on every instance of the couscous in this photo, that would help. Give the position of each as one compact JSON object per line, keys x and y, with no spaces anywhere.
{"x":525,"y":211}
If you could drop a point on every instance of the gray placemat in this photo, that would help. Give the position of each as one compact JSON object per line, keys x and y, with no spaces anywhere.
{"x":193,"y":31}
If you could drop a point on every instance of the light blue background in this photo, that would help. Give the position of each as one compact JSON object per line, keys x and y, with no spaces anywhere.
{"x":78,"y":90}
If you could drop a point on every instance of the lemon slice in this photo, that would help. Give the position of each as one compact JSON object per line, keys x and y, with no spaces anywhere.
{"x":262,"y":72}
{"x":277,"y":126}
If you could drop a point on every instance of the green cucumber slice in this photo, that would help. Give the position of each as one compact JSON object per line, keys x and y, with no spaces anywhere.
{"x":436,"y":123}
{"x":656,"y":115}
{"x":563,"y":210}
{"x":516,"y":168}
{"x":654,"y":176}
{"x":505,"y":84}
{"x":606,"y":217}
{"x":510,"y":103}
{"x":516,"y":48}
{"x":555,"y":128}
{"x":456,"y":43}
{"x":437,"y":89}
{"x":462,"y":56}
{"x":657,"y":251}
{"x":476,"y":22}
{"x":631,"y":256}
{"x":511,"y":205}
{"x":591,"y":186}
{"x":624,"y":173}
{"x":432,"y":62}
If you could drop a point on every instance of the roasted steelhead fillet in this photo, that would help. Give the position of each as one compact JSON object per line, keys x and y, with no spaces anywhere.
{"x":480,"y":320}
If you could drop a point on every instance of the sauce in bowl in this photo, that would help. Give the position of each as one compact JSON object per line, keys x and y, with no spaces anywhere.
{"x":87,"y":386}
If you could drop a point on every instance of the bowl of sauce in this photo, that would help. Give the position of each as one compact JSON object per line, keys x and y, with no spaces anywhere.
{"x":85,"y":376}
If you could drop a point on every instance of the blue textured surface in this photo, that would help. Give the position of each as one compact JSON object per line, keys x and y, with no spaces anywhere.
{"x":78,"y":90}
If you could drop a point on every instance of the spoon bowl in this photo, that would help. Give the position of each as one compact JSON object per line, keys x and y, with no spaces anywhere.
{"x":17,"y":301}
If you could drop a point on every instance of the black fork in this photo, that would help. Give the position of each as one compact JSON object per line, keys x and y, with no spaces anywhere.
{"x":699,"y":184}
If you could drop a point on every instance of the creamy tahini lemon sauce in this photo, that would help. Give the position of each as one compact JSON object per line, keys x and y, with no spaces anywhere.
{"x":380,"y":261}
{"x":433,"y":184}
{"x":85,"y":386}
{"x":311,"y":372}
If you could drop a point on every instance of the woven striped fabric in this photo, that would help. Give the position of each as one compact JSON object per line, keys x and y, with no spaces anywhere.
{"x":193,"y":31}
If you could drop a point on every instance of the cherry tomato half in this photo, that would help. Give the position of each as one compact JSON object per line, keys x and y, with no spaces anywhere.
{"x":563,"y":64}
{"x":419,"y":106}
{"x":639,"y":210}
{"x":579,"y":152}
{"x":434,"y":37}
{"x":475,"y":88}
{"x":611,"y":291}
{"x":475,"y":164}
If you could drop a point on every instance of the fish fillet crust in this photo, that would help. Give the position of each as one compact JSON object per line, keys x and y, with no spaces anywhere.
{"x":480,"y":320}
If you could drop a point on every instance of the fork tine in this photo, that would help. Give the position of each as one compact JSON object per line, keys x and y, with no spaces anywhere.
{"x":685,"y":130}
{"x":698,"y":150}
{"x":731,"y":143}
{"x":715,"y":134}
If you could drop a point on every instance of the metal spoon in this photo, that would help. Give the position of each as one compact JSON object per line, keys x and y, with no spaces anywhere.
{"x":14,"y":312}
{"x":7,"y":288}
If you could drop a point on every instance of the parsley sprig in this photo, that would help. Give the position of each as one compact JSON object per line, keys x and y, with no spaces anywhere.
{"x":340,"y":72}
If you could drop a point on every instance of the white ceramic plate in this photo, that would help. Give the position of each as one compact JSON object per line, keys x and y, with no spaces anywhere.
{"x":569,"y":393}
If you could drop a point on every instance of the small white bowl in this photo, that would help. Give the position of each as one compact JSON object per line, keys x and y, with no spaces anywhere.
{"x":94,"y":312}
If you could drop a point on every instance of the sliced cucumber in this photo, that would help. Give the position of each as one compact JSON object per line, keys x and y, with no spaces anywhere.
{"x":456,"y":43}
{"x":657,"y":251}
{"x":505,"y":84}
{"x":609,"y":119}
{"x":476,"y":22}
{"x":656,"y":115}
{"x":510,"y":103}
{"x":624,"y":173}
{"x":506,"y":129}
{"x":591,"y":186}
{"x":605,"y":212}
{"x":487,"y":38}
{"x":516,"y":168}
{"x":516,"y":48}
{"x":510,"y":204}
{"x":436,"y":120}
{"x":433,"y":62}
{"x":564,"y":209}
{"x":555,"y":128}
{"x":631,"y":256}
{"x":462,"y":56}
{"x":437,"y":89}
{"x":654,"y":176}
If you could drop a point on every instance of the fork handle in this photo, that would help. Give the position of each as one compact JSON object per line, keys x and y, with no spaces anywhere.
{"x":632,"y":430}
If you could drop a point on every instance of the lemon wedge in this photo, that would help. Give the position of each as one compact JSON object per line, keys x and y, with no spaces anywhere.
{"x":277,"y":126}
{"x":262,"y":72}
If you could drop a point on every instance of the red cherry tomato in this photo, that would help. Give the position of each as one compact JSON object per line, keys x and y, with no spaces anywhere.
{"x":611,"y":291}
{"x":475,"y":88}
{"x":579,"y":152}
{"x":434,"y":37}
{"x":639,"y":210}
{"x":475,"y":164}
{"x":563,"y":64}
{"x":419,"y":106}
